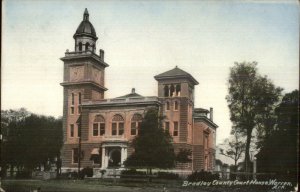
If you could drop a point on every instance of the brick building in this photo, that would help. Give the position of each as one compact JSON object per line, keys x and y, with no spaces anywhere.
{"x":103,"y":128}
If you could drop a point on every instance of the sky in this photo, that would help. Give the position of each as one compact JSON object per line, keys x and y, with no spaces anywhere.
{"x":142,"y":39}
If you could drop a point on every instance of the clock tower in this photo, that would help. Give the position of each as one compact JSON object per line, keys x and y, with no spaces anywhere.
{"x":83,"y":80}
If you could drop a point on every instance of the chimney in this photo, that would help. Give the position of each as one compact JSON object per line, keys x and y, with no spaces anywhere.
{"x":211,"y":114}
{"x":133,"y":90}
{"x":101,"y":51}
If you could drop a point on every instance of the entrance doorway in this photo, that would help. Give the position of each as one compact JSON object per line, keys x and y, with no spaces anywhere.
{"x":114,"y":158}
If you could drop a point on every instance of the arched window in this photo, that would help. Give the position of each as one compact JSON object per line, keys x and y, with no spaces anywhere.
{"x":87,"y":46}
{"x":175,"y":105}
{"x":117,"y":126}
{"x":135,"y":123}
{"x":178,"y":90}
{"x":93,"y":48}
{"x":167,"y":105}
{"x":166,"y":90}
{"x":99,"y":125}
{"x":172,"y":91}
{"x":80,"y":46}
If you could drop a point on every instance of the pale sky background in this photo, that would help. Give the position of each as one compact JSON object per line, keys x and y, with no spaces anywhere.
{"x":142,"y":39}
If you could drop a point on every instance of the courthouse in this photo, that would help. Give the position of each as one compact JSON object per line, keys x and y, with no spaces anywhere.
{"x":103,"y":128}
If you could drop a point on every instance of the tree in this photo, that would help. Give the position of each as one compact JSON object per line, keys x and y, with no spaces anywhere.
{"x":279,"y":150}
{"x":9,"y":121}
{"x":152,"y":146}
{"x":251,"y":97}
{"x":184,"y":156}
{"x":233,"y":148}
{"x":30,"y":140}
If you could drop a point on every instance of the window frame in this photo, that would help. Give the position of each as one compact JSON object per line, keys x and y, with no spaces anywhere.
{"x":116,"y":125}
{"x":176,"y":106}
{"x":175,"y":129}
{"x":167,"y":106}
{"x":72,"y":130}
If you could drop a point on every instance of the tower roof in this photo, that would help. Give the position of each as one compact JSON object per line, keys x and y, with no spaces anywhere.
{"x":86,"y":28}
{"x":176,"y":73}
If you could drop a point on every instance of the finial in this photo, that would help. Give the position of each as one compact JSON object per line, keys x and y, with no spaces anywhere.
{"x":133,"y":90}
{"x":176,"y":66}
{"x":86,"y":14}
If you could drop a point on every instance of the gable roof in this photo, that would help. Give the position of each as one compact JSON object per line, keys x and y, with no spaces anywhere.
{"x":176,"y":73}
{"x":132,"y":94}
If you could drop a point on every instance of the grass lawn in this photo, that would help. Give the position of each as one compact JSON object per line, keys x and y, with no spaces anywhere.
{"x":79,"y":186}
{"x":119,"y":186}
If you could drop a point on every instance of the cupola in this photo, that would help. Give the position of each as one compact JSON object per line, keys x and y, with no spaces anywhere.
{"x":85,"y":35}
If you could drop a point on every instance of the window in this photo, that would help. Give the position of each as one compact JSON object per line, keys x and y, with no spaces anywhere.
{"x":135,"y":123}
{"x":75,"y":155}
{"x":87,"y":46}
{"x":117,"y":125}
{"x":79,"y":98}
{"x":95,"y":156}
{"x":166,"y":90}
{"x":72,"y":131}
{"x":72,"y":98}
{"x":121,"y":128}
{"x":177,"y":90}
{"x":80,"y":46}
{"x":102,"y":129}
{"x":99,"y":126}
{"x":167,"y":105}
{"x":72,"y":110}
{"x":175,"y":105}
{"x":167,"y":126}
{"x":95,"y":129}
{"x":114,"y":129}
{"x":175,"y":131}
{"x":133,"y":128}
{"x":79,"y":109}
{"x":172,"y":91}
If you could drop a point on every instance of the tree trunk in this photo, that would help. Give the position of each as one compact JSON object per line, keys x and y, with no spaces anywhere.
{"x":247,"y":157}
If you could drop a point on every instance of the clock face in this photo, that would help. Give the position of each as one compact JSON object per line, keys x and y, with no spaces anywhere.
{"x":96,"y":75}
{"x":76,"y":73}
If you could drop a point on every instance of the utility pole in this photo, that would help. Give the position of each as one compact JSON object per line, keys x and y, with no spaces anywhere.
{"x":79,"y":142}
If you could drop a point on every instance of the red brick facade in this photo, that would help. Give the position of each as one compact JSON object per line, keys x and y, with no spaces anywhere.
{"x":107,"y":126}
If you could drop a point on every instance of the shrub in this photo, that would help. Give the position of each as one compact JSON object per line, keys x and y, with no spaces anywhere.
{"x":87,"y":171}
{"x":25,"y":174}
{"x":203,"y":176}
{"x":132,"y":172}
{"x":167,"y":175}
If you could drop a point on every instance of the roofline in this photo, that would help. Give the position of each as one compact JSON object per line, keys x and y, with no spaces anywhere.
{"x":206,"y":119}
{"x":85,"y":34}
{"x":190,"y":77}
{"x":83,"y":54}
{"x":121,"y":104}
{"x":84,"y":82}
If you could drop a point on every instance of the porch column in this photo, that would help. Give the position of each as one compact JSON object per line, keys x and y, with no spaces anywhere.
{"x":106,"y":159}
{"x":123,"y":155}
{"x":103,"y":158}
